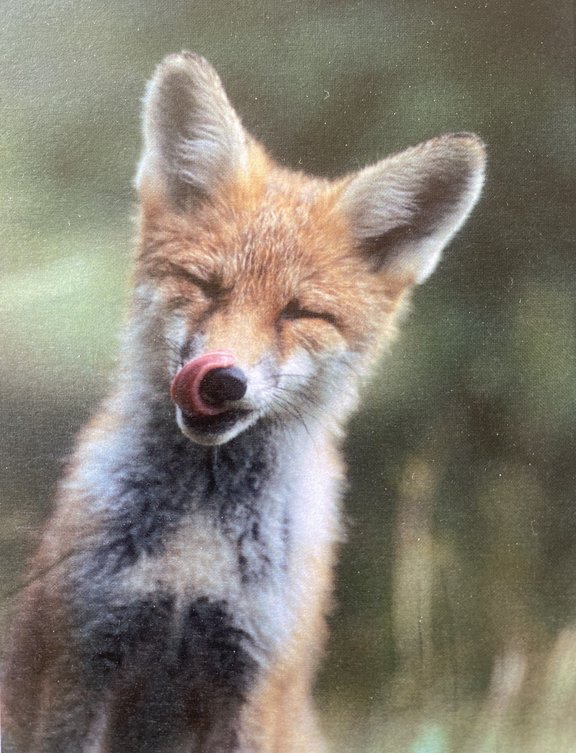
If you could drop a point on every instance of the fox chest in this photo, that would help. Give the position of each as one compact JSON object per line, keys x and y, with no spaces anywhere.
{"x":213,"y":598}
{"x":225,"y":558}
{"x":174,"y":668}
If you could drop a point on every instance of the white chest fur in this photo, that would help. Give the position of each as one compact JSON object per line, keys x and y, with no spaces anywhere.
{"x":295,"y":524}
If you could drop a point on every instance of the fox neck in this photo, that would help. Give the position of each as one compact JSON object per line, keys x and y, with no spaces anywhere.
{"x":145,"y":474}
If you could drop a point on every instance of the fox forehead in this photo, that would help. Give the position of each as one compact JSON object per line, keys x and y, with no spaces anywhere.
{"x":279,"y":232}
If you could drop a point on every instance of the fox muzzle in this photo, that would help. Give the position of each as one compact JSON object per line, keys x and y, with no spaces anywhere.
{"x":207,"y":385}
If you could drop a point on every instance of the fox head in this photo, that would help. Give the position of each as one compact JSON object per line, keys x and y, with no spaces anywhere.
{"x":263,"y":294}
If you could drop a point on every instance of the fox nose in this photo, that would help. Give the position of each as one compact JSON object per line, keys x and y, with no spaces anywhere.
{"x":222,"y":385}
{"x":205,"y":385}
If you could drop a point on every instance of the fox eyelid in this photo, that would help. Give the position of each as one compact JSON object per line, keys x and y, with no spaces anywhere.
{"x":295,"y":311}
{"x":211,"y":287}
{"x":178,"y":303}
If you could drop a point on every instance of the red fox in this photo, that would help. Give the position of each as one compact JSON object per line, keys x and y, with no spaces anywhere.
{"x":177,"y":602}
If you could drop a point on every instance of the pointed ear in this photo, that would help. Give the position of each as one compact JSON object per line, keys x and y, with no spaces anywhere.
{"x":405,"y":209}
{"x":193,"y":139}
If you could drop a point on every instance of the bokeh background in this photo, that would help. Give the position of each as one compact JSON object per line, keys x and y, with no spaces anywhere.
{"x":455,"y":629}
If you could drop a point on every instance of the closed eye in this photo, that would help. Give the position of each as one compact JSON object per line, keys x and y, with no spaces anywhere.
{"x":212,"y":287}
{"x":294,"y":310}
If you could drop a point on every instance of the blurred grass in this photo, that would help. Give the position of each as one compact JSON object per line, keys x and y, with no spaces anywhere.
{"x":456,"y":588}
{"x":529,"y":708}
{"x":61,"y":317}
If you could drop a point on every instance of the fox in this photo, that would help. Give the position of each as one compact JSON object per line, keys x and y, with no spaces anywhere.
{"x":177,"y":602}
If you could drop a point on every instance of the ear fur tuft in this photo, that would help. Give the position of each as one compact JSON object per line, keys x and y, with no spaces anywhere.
{"x":406,"y":208}
{"x":193,"y":138}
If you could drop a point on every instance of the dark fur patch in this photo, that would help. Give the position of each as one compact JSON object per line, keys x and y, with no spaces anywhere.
{"x":168,"y":477}
{"x":113,"y":636}
{"x":242,"y":513}
{"x":171,"y":673}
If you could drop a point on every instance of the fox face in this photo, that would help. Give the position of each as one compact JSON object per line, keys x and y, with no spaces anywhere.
{"x":263,"y":294}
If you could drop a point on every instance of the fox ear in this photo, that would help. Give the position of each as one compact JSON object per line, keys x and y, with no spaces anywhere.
{"x":405,"y":209}
{"x":193,"y":139}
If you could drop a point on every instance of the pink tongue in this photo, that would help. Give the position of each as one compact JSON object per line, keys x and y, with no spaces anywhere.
{"x":185,"y":388}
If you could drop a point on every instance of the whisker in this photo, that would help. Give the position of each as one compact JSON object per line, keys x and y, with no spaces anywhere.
{"x":299,"y":412}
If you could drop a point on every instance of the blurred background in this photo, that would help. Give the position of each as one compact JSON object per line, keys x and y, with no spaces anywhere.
{"x":456,"y":621}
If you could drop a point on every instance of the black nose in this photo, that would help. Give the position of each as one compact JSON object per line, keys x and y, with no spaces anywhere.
{"x":223,"y":385}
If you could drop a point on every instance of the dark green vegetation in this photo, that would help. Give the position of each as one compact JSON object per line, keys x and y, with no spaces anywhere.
{"x":459,"y":574}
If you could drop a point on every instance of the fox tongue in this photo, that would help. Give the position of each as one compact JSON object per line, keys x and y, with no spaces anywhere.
{"x":185,"y":388}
